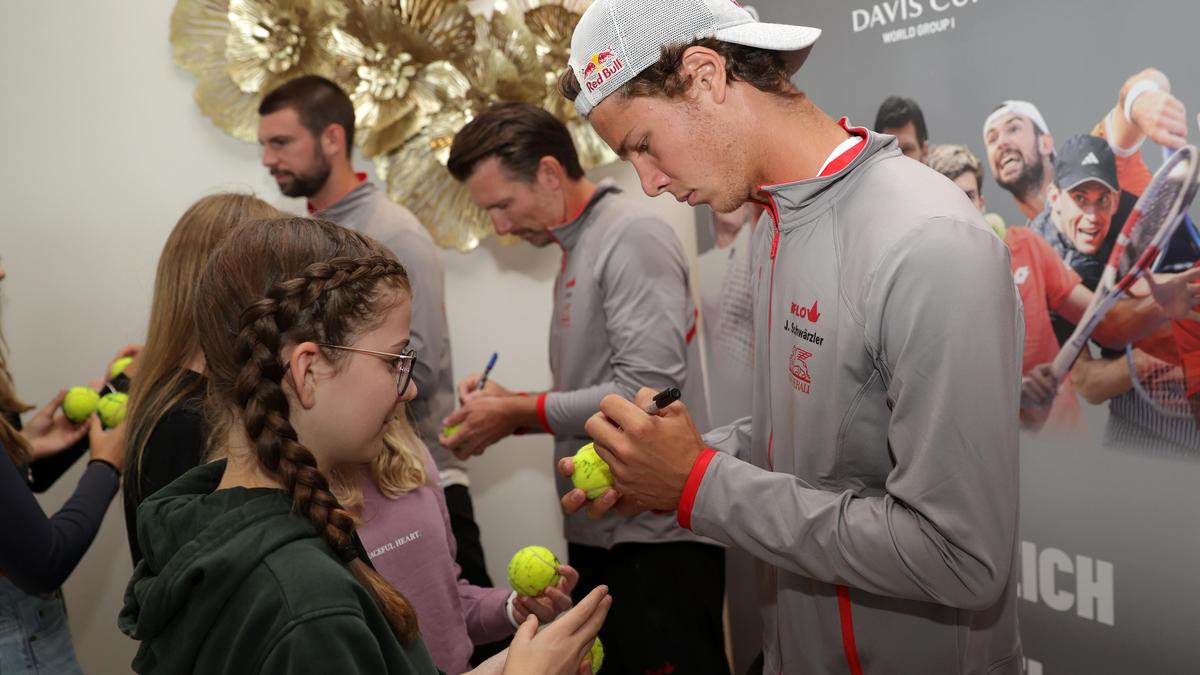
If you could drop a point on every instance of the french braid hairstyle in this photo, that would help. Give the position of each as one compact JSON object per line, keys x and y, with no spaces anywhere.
{"x":287,"y":281}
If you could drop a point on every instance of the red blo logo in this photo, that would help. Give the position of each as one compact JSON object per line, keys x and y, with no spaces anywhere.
{"x":809,"y":313}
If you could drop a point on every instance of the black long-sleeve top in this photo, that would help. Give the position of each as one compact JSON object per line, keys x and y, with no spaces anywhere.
{"x":175,"y":445}
{"x":39,"y":553}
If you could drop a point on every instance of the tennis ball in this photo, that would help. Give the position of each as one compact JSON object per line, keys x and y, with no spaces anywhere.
{"x":532,"y":570}
{"x":119,"y":366}
{"x":596,"y":656}
{"x":592,"y":474}
{"x":450,"y":430}
{"x":80,"y":403}
{"x":112,"y":409}
{"x":997,"y":223}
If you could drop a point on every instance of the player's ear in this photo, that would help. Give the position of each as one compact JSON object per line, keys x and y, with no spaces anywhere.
{"x":550,"y":174}
{"x":333,"y":139}
{"x":707,"y":71}
{"x":1047,"y":144}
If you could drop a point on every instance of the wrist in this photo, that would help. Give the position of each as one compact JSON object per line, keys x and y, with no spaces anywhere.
{"x":521,"y":411}
{"x":109,"y":463}
{"x":1140,"y":87}
{"x":510,"y":611}
{"x":1110,"y":134}
{"x":691,"y":486}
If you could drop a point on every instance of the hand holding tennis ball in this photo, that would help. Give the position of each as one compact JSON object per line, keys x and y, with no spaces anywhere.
{"x":80,"y":403}
{"x":596,"y":656}
{"x":532,"y":570}
{"x":119,"y":366}
{"x":592,"y":474}
{"x":111,"y":409}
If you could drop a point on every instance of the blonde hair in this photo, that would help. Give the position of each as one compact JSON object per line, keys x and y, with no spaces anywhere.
{"x":953,"y":161}
{"x":400,"y":468}
{"x":172,"y":338}
{"x":15,"y":444}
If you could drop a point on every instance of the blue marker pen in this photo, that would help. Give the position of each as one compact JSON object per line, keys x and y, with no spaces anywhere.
{"x":483,"y":380}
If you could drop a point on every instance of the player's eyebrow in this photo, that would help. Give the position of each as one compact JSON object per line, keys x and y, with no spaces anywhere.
{"x":623,"y":148}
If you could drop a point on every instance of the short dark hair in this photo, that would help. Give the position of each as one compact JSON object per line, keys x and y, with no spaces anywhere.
{"x":896,"y":111}
{"x":519,"y":135}
{"x":763,"y":69}
{"x":319,"y":103}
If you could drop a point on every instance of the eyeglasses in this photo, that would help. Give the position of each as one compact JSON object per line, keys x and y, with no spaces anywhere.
{"x":401,"y":364}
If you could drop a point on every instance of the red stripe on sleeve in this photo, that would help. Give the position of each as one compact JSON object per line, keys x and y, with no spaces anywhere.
{"x":541,"y":412}
{"x":688,"y":499}
{"x":844,"y":612}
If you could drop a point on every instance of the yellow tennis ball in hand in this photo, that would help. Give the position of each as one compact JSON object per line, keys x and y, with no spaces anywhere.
{"x":596,"y":656}
{"x":592,"y":474}
{"x":532,"y":570}
{"x":119,"y":366}
{"x":112,"y":409}
{"x":449,"y":431}
{"x":80,"y":403}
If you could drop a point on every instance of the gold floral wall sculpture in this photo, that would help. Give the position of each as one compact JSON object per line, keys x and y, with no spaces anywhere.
{"x":416,"y":71}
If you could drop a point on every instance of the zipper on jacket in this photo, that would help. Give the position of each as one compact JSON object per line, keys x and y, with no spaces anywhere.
{"x":774,"y":211}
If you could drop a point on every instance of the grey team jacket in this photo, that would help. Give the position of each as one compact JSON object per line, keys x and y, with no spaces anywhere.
{"x":623,"y":319}
{"x":369,"y":211}
{"x":876,"y":481}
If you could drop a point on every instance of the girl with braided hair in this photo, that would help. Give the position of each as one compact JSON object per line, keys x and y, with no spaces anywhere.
{"x":251,"y":564}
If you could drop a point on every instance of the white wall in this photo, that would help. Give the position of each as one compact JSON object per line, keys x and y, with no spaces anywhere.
{"x":105,"y":150}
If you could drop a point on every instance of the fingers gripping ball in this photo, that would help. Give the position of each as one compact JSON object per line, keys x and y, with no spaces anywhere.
{"x":532,"y":570}
{"x":592,"y":474}
{"x":119,"y":366}
{"x":112,"y":409}
{"x":80,"y":403}
{"x":596,"y":656}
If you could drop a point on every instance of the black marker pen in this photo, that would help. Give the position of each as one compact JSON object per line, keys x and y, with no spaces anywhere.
{"x":663,"y":399}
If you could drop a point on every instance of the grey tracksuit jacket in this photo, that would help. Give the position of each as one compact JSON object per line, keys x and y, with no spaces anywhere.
{"x":369,"y":211}
{"x":623,"y":319}
{"x":876,"y":481}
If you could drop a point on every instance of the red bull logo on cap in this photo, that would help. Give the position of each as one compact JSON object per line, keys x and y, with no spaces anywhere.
{"x":600,"y":67}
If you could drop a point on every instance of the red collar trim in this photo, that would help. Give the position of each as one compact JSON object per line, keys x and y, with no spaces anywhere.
{"x":843,"y":160}
{"x":839,"y":163}
{"x":360,"y":175}
{"x":587,"y":202}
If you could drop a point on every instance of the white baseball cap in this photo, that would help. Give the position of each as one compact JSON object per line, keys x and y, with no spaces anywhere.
{"x":1016,"y":108}
{"x":617,"y":39}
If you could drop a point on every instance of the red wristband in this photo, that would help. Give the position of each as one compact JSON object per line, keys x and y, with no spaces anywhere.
{"x":692,"y":486}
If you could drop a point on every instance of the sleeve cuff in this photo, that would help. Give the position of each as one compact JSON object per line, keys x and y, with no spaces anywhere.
{"x":508,"y":610}
{"x":688,"y":500}
{"x":1118,"y":150}
{"x":541,"y":413}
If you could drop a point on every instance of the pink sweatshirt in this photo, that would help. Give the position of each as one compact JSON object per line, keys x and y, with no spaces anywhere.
{"x":410,"y":543}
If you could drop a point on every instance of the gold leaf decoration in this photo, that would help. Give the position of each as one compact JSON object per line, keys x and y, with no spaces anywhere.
{"x":240,"y":49}
{"x":272,"y":41}
{"x":416,"y":71}
{"x":384,"y":52}
{"x":544,"y":28}
{"x":416,"y":176}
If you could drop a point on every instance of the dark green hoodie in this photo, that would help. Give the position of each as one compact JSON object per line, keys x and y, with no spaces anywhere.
{"x":233,"y":582}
